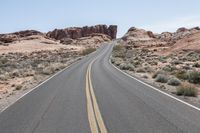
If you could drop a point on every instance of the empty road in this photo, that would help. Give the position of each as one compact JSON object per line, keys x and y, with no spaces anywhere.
{"x":93,"y":96}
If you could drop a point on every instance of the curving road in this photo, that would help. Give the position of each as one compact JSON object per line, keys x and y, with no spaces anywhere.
{"x":93,"y":96}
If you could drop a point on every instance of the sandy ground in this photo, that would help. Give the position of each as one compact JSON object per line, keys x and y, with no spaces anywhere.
{"x":36,"y":45}
{"x":64,"y":54}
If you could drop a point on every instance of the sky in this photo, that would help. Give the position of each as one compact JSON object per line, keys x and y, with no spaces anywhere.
{"x":45,"y":15}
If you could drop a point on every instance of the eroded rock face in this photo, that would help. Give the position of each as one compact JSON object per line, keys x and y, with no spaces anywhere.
{"x":77,"y":32}
{"x":11,"y":37}
{"x":138,"y":34}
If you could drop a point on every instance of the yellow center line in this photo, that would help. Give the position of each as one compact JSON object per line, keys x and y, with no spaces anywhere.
{"x":91,"y":115}
{"x":95,"y":119}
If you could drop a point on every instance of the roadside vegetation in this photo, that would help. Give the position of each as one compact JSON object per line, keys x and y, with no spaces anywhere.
{"x":20,"y":71}
{"x":88,"y":51}
{"x":177,"y":73}
{"x":187,"y":90}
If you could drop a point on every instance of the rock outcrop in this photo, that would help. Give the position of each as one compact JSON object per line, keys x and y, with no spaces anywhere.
{"x":78,"y":32}
{"x":11,"y":37}
{"x":138,"y":34}
{"x":167,"y":42}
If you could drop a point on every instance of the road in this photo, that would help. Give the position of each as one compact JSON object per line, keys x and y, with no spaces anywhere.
{"x":93,"y":96}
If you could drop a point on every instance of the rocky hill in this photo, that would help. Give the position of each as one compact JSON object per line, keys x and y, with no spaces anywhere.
{"x":16,"y":36}
{"x":166,"y":42}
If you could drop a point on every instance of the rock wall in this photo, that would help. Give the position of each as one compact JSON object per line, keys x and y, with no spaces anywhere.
{"x":77,"y":32}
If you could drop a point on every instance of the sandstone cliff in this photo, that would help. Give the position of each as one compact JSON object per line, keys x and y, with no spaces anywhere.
{"x":78,"y":32}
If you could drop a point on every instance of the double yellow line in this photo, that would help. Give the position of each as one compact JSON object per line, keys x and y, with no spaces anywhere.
{"x":94,"y":115}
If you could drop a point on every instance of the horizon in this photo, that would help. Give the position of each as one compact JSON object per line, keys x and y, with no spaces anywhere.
{"x":23,"y":15}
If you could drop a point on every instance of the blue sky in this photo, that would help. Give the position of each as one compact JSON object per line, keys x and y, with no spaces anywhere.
{"x":45,"y":15}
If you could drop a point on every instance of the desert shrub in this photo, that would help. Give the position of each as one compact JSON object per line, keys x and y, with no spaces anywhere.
{"x":163,"y":59}
{"x":18,"y":87}
{"x":182,"y":75}
{"x":119,"y":51}
{"x":194,"y":77}
{"x":187,"y":67}
{"x":136,"y":63}
{"x":15,"y":73}
{"x":197,"y":65}
{"x":141,"y":70}
{"x":88,"y":51}
{"x":130,"y":67}
{"x":120,"y":54}
{"x":148,"y":69}
{"x":53,"y":68}
{"x":125,"y":66}
{"x":117,"y":48}
{"x":168,"y":68}
{"x":186,"y":90}
{"x":58,"y":66}
{"x":174,"y":82}
{"x":4,"y":76}
{"x":117,"y":62}
{"x":145,"y":76}
{"x":112,"y":60}
{"x":161,"y":78}
{"x":153,"y":63}
{"x":48,"y":70}
{"x":157,"y":72}
{"x":3,"y":61}
{"x":29,"y":72}
{"x":176,"y":62}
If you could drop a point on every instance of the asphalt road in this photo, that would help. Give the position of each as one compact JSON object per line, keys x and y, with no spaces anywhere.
{"x":93,"y":96}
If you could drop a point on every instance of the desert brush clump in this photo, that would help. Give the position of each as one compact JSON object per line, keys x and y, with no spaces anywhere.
{"x":174,"y":81}
{"x":182,"y":75}
{"x":197,"y":65}
{"x":141,"y":70}
{"x":18,"y":87}
{"x":117,"y":48}
{"x":186,"y":89}
{"x":163,"y":59}
{"x":88,"y":51}
{"x":157,"y":72}
{"x":119,"y":51}
{"x":53,"y":68}
{"x":194,"y":77}
{"x":125,"y":66}
{"x":161,"y":78}
{"x":169,"y":68}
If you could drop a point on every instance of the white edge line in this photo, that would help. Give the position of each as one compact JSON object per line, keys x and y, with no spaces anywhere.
{"x":39,"y":85}
{"x":194,"y":107}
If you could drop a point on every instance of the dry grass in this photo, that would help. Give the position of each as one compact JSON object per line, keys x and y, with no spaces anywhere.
{"x":88,"y":51}
{"x":187,"y":89}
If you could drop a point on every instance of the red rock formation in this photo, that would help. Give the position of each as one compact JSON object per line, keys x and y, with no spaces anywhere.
{"x":11,"y":37}
{"x":182,"y":29}
{"x":77,"y":32}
